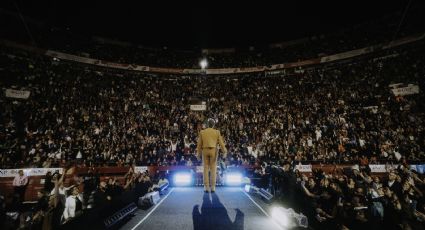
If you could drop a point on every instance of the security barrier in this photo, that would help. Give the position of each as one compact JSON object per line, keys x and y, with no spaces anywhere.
{"x":36,"y":182}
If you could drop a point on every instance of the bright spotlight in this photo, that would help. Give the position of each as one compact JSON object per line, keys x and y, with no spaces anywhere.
{"x":233,"y":179}
{"x":279,"y":215}
{"x":203,"y":63}
{"x":247,"y":188}
{"x":288,"y":218}
{"x":182,"y":179}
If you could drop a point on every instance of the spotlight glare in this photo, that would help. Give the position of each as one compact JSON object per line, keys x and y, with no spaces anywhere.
{"x":280,"y":216}
{"x":182,"y":179}
{"x":288,"y":218}
{"x":203,"y":63}
{"x":247,"y":188}
{"x":233,"y":179}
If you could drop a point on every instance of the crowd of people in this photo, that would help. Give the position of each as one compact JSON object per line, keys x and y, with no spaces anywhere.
{"x":59,"y":203}
{"x":352,"y":198}
{"x":332,"y":113}
{"x":339,"y":113}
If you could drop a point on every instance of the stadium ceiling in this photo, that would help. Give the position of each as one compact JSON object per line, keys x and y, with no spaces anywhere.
{"x":206,"y":24}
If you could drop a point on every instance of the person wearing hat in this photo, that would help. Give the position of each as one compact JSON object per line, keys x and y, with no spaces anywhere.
{"x":207,"y":146}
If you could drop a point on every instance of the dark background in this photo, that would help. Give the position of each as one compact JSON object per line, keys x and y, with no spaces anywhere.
{"x":207,"y":24}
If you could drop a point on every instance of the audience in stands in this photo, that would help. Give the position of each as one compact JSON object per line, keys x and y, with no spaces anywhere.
{"x":73,"y":205}
{"x":353,"y":198}
{"x":335,"y":113}
{"x":143,"y":184}
{"x":64,"y":204}
{"x":114,"y":189}
{"x":48,"y":182}
{"x":101,"y":197}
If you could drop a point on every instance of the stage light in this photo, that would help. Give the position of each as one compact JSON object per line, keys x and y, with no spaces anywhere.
{"x":233,"y":179}
{"x":288,"y":218}
{"x":203,"y":63}
{"x":182,"y":179}
{"x":247,"y":188}
{"x":280,"y":216}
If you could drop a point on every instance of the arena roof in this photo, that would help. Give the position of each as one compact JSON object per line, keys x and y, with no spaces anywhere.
{"x":204,"y":24}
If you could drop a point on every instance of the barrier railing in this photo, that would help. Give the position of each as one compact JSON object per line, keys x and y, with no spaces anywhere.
{"x":36,"y":182}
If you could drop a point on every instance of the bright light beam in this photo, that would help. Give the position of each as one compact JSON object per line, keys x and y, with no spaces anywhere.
{"x":203,"y":63}
{"x":182,"y":179}
{"x":233,"y":179}
{"x":280,"y":216}
{"x":247,"y":188}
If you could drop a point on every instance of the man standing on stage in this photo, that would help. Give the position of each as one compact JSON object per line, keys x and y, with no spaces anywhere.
{"x":207,"y":145}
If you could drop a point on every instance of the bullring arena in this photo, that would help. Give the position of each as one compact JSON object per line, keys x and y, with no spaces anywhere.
{"x":114,"y":117}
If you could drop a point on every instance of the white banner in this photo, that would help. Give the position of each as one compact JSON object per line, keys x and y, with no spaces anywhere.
{"x":21,"y":94}
{"x":303,"y":168}
{"x":29,"y":172}
{"x":381,"y":168}
{"x":198,"y":107}
{"x":378,"y":168}
{"x":140,"y":169}
{"x":402,"y":91}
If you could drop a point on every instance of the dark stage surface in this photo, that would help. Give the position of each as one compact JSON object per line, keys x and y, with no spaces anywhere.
{"x":191,"y":208}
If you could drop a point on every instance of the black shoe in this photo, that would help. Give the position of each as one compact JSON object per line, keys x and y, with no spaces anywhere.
{"x":205,"y":191}
{"x":212,"y":191}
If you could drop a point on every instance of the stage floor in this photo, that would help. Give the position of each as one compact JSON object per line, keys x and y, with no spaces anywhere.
{"x":191,"y":208}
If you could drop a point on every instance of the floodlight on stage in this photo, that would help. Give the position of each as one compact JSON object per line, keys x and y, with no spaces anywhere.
{"x":279,"y":215}
{"x":247,"y":188}
{"x":203,"y":63}
{"x":233,"y":179}
{"x":182,"y":179}
{"x":288,"y":218}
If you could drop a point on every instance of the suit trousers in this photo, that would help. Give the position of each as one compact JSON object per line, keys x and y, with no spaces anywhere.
{"x":20,"y":190}
{"x":209,"y":159}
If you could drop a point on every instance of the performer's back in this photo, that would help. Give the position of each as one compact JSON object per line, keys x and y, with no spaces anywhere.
{"x":210,"y":138}
{"x":207,"y":145}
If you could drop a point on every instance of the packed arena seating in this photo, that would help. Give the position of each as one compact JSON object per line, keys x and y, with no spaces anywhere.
{"x":335,"y":113}
{"x":71,"y":203}
{"x":94,"y":116}
{"x":353,"y":198}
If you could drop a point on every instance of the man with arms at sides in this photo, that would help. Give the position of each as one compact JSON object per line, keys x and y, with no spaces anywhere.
{"x":20,"y":183}
{"x":207,"y":146}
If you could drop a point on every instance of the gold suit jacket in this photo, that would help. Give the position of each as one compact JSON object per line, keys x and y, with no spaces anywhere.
{"x":209,"y":138}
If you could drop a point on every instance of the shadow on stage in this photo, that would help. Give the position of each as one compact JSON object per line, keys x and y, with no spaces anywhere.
{"x":213,"y":215}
